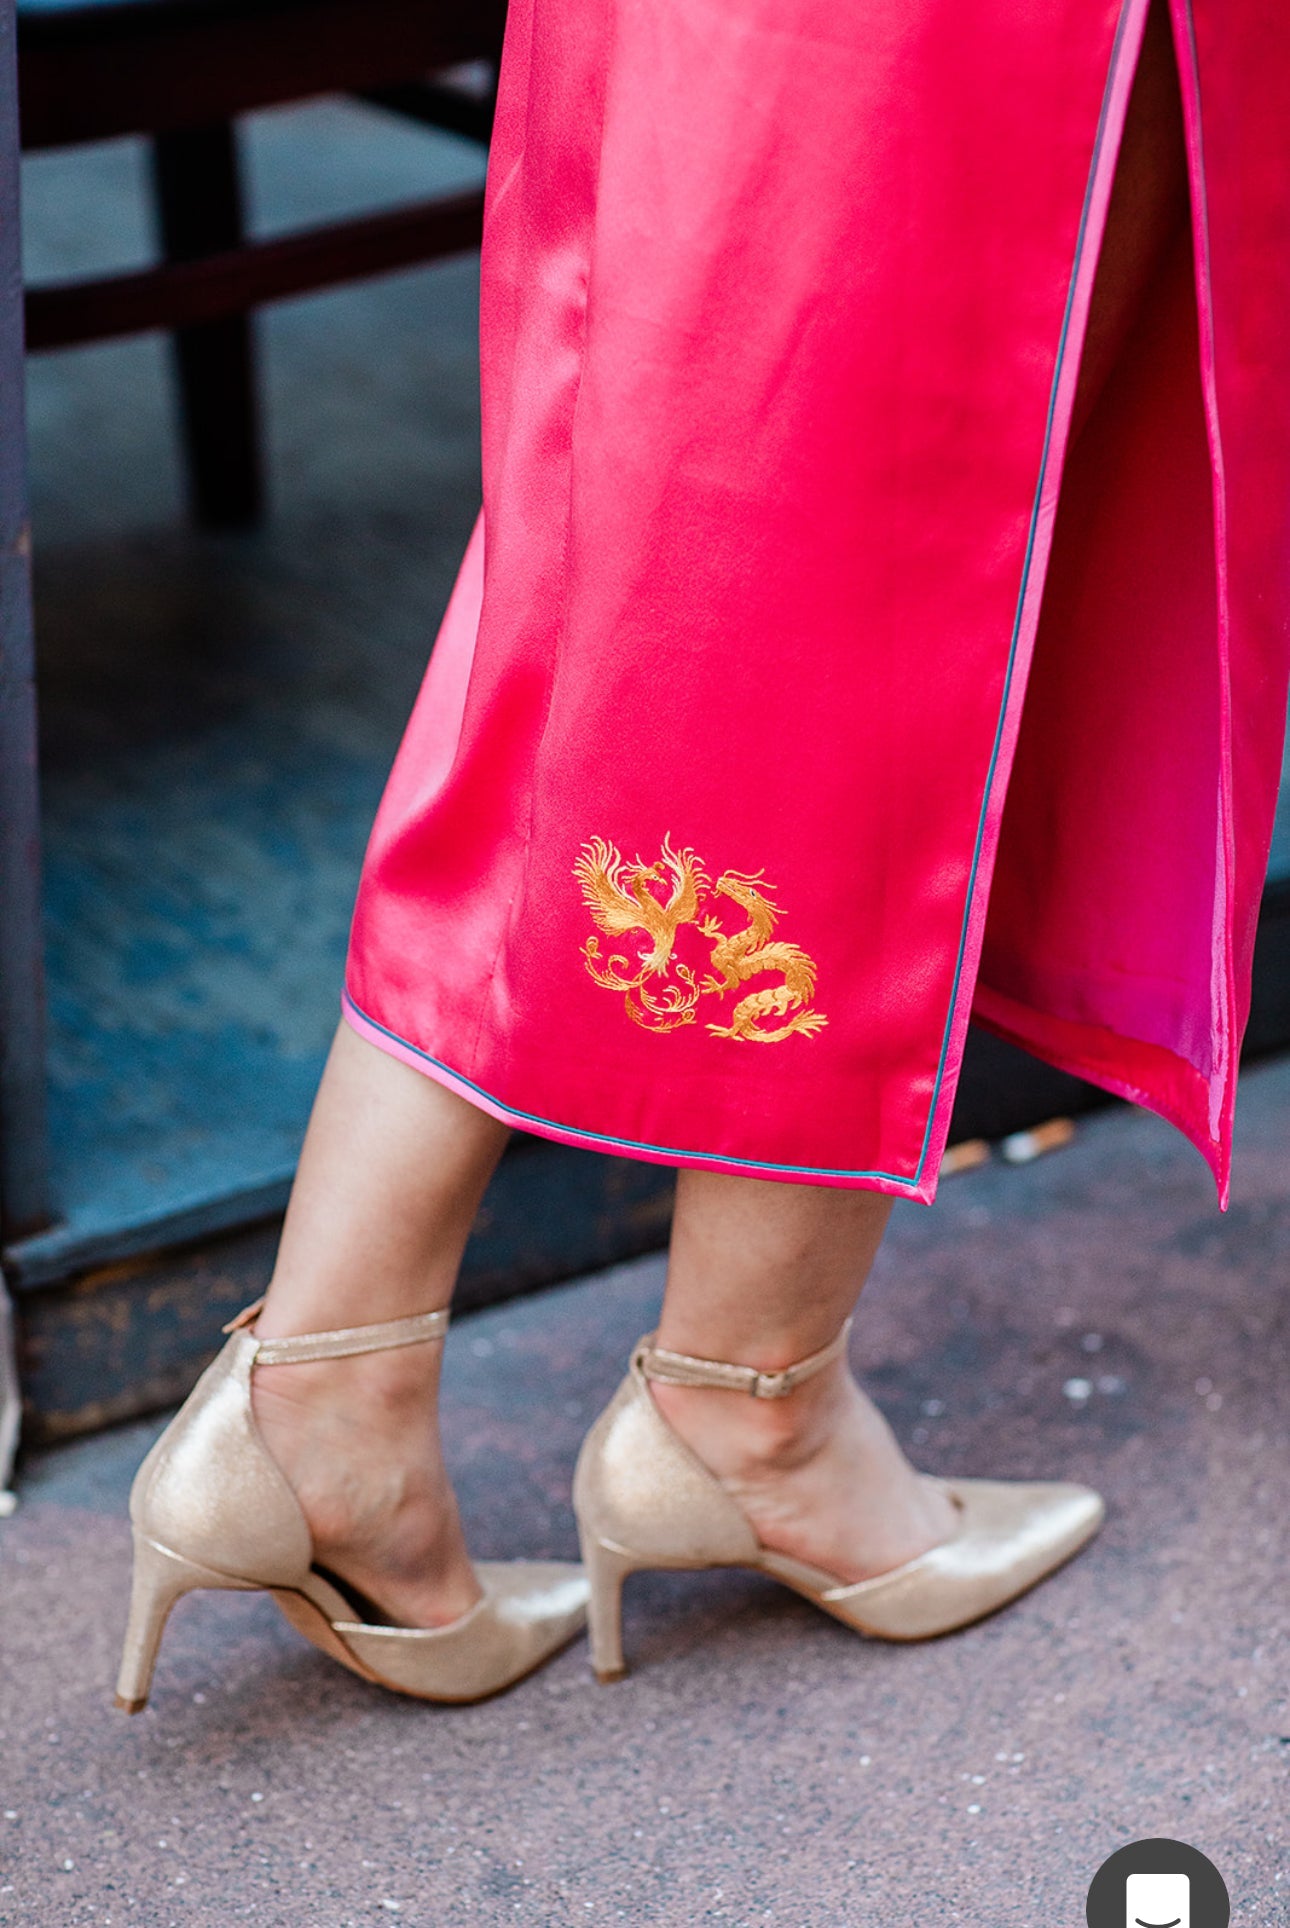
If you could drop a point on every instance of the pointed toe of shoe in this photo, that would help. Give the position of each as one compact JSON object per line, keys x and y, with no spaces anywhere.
{"x":1023,"y":1524}
{"x":1011,"y":1535}
{"x":529,"y":1609}
{"x":1074,"y":1511}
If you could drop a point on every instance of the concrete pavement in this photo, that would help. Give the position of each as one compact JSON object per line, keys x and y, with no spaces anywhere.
{"x":1091,"y":1316}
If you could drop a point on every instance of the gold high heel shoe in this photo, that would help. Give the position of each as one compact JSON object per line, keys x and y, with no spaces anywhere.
{"x":211,"y":1508}
{"x":643,"y":1500}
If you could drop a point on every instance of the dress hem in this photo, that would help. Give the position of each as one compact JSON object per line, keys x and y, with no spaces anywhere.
{"x":923,"y":1190}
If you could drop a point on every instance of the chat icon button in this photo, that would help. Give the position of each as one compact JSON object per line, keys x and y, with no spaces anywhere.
{"x":1158,"y":1883}
{"x":1157,"y":1901}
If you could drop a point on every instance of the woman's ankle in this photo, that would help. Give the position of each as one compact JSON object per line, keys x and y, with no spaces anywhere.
{"x":357,"y":1440}
{"x":381,"y":1390}
{"x":818,"y":1474}
{"x":739,"y":1437}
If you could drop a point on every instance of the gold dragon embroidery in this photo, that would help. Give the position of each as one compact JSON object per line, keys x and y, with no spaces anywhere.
{"x":750,"y":952}
{"x":660,"y":991}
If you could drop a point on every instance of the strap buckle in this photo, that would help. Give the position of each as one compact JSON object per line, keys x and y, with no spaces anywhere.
{"x":772,"y":1385}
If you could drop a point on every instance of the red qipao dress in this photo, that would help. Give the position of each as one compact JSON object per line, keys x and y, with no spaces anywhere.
{"x":801,"y":694}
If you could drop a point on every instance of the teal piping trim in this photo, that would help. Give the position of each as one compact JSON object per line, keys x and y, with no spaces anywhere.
{"x":604,"y":1138}
{"x":1080,"y":241}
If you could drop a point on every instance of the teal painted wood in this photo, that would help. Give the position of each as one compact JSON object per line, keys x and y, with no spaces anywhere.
{"x":132,"y":1341}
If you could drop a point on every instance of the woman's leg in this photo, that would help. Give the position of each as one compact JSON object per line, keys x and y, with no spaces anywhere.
{"x":390,"y":1178}
{"x":762,"y":1275}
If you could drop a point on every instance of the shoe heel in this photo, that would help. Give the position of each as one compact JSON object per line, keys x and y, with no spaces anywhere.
{"x":606,"y":1569}
{"x":158,"y":1580}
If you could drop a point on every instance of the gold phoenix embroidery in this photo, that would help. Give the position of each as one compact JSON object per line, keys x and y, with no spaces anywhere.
{"x":661,"y":992}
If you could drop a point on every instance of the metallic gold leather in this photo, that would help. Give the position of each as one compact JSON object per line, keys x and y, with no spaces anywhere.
{"x":1011,"y":1535}
{"x":159,"y":1579}
{"x":644,"y":1498}
{"x":681,"y":1369}
{"x":209,"y":1490}
{"x":639,"y":1488}
{"x":210,"y":1507}
{"x":528,"y":1611}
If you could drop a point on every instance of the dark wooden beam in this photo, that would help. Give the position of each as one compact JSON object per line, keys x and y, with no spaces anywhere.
{"x":93,"y":73}
{"x":181,"y":294}
{"x":197,"y":192}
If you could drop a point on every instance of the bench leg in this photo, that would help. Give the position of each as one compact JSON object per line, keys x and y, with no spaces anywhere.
{"x":198,"y":194}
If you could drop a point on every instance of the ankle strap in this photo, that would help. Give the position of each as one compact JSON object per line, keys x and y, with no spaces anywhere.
{"x":679,"y":1369}
{"x":305,"y":1347}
